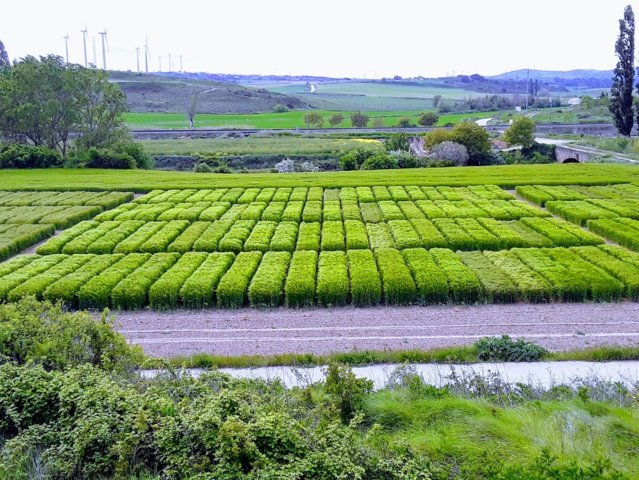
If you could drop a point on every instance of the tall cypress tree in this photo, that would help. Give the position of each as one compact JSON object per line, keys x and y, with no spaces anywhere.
{"x":621,"y":104}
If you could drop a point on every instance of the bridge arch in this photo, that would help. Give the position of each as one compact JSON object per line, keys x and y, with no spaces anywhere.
{"x":570,"y":160}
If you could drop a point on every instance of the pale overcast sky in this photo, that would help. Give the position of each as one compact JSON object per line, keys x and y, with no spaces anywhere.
{"x":330,"y":37}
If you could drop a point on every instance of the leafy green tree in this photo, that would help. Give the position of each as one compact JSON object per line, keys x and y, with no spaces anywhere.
{"x":397,"y":141}
{"x":380,"y":161}
{"x":43,"y":101}
{"x":438,"y":135}
{"x":521,"y":132}
{"x":404,"y":122}
{"x":476,"y":140}
{"x":314,"y":120}
{"x":621,"y":103}
{"x":359,"y":120}
{"x":428,"y":119}
{"x":336,"y":120}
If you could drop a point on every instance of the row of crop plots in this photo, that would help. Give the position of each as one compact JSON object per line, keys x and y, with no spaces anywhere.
{"x":304,"y":247}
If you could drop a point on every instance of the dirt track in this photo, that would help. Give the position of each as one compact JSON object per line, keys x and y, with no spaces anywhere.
{"x":257,"y":332}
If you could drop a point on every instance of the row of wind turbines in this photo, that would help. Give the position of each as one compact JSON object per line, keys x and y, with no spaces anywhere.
{"x":105,"y":49}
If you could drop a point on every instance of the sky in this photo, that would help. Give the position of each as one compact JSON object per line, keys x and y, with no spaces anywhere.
{"x":338,"y":38}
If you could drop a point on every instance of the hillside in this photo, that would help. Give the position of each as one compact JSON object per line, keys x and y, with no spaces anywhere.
{"x":148,"y":93}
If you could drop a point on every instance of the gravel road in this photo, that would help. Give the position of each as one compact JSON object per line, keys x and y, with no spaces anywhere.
{"x":267,"y":332}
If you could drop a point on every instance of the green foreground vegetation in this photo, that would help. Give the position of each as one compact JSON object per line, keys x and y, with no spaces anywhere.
{"x":145,"y":181}
{"x":73,"y":407}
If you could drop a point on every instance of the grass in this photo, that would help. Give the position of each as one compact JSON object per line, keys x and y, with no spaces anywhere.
{"x":287,"y":120}
{"x":284,"y":145}
{"x":145,"y":180}
{"x":452,"y":355}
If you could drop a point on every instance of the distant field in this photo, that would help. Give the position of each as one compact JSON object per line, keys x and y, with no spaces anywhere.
{"x":380,"y":89}
{"x":568,"y":114}
{"x":147,"y":180}
{"x":287,"y":120}
{"x":257,"y":145}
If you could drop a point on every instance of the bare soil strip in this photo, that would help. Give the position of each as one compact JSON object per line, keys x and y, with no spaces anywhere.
{"x":321,"y":331}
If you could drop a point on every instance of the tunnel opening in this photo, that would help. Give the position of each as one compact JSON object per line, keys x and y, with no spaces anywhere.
{"x":570,"y":160}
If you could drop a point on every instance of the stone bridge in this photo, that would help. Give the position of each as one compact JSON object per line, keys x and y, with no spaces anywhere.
{"x":565,"y":154}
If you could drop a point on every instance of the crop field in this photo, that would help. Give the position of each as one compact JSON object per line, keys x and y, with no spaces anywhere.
{"x":287,"y":120}
{"x":609,"y":211}
{"x":313,"y":246}
{"x":29,"y":217}
{"x":284,"y":145}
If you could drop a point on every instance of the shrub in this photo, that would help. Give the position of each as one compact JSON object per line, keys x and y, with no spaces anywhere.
{"x":397,"y":141}
{"x":136,"y":151}
{"x":379,"y":161}
{"x":404,"y":159}
{"x":202,"y":167}
{"x":353,"y":159}
{"x":336,"y":120}
{"x":505,"y":349}
{"x":405,"y":122}
{"x":43,"y":333}
{"x":302,"y":274}
{"x":428,"y":119}
{"x":451,"y":153}
{"x":279,"y":108}
{"x":285,"y":166}
{"x":28,"y":156}
{"x":437,"y":136}
{"x":359,"y":120}
{"x":99,"y":158}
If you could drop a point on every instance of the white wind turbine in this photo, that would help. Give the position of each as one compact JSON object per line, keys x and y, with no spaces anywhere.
{"x":84,"y":43}
{"x":104,"y":39}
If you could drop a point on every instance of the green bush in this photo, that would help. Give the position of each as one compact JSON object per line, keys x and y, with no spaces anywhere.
{"x":99,"y":158}
{"x":379,"y":161}
{"x":15,"y":155}
{"x":397,"y":141}
{"x":505,"y":349}
{"x":353,"y":159}
{"x":43,"y":333}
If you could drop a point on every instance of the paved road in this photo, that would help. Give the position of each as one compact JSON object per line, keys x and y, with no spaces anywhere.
{"x":255,"y":332}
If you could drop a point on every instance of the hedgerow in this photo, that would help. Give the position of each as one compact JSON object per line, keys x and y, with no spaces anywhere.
{"x":267,"y":285}
{"x":398,"y":284}
{"x":199,"y":289}
{"x":31,"y":269}
{"x":232,"y":289}
{"x":579,"y":211}
{"x":80,"y":243}
{"x":300,"y":282}
{"x":366,"y":286}
{"x":332,"y":279}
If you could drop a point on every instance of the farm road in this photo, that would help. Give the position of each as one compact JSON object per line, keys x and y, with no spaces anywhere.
{"x":268,"y":332}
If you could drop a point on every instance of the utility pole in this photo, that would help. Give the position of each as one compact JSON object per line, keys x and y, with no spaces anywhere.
{"x":527,"y":90}
{"x":66,"y":47}
{"x":84,"y":43}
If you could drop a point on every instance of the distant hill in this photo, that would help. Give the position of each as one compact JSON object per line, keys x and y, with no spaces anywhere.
{"x":171,"y":93}
{"x":556,"y":74}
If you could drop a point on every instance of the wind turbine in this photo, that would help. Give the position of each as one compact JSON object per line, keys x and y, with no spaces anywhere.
{"x":84,"y":42}
{"x":95,"y":55}
{"x":160,"y":62}
{"x":181,"y":70}
{"x":66,"y":47}
{"x":170,"y":67}
{"x":137,"y":57}
{"x":147,"y":53}
{"x":104,"y":38}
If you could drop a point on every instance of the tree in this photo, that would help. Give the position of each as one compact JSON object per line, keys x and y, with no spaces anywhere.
{"x":451,"y":153}
{"x":43,"y":101}
{"x":438,"y":135}
{"x":359,"y":120}
{"x":191,"y":109}
{"x":4,"y":56}
{"x":621,"y":104}
{"x":404,"y":122}
{"x":314,"y":119}
{"x":436,"y":100}
{"x":336,"y":120}
{"x":521,"y":132}
{"x":397,"y":141}
{"x":476,"y":140}
{"x":428,"y":119}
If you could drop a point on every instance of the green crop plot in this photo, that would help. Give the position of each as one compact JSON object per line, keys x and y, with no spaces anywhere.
{"x":301,"y":246}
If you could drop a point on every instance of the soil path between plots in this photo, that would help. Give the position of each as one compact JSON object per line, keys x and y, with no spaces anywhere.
{"x":556,"y":326}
